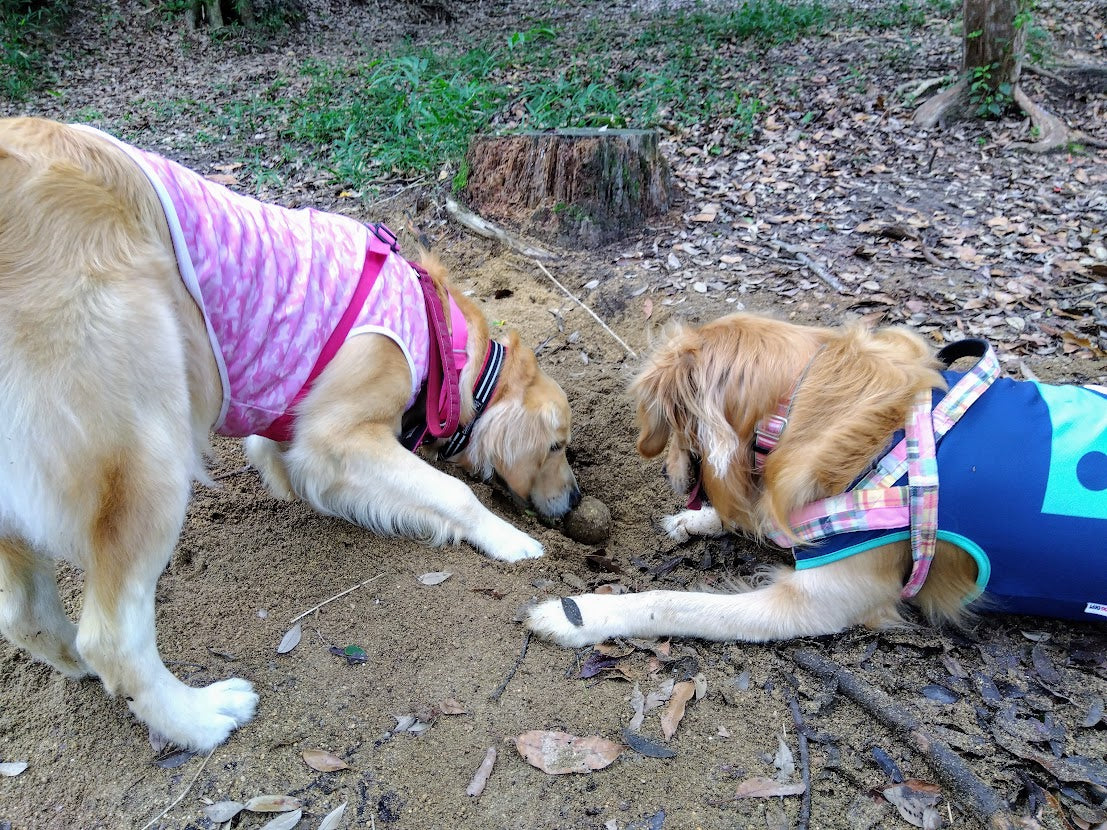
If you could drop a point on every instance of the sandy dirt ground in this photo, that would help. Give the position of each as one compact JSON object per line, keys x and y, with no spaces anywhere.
{"x":247,"y":564}
{"x":1015,"y":697}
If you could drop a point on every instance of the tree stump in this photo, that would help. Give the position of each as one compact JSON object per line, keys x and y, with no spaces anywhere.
{"x":575,"y":187}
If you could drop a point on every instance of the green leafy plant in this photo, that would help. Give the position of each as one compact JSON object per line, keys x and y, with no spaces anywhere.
{"x":990,"y":99}
{"x":27,"y":28}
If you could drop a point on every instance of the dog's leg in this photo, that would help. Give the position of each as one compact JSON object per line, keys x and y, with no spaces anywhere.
{"x":266,"y":458}
{"x":140,"y":510}
{"x":374,"y":482}
{"x":31,"y":614}
{"x":345,"y":460}
{"x":805,"y":603}
{"x":687,"y":524}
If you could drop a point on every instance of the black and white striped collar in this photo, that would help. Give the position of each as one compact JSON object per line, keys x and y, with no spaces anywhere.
{"x":483,"y":390}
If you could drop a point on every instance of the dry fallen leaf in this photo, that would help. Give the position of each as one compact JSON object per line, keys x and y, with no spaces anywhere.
{"x":784,"y":763}
{"x":480,"y":777}
{"x":683,"y":691}
{"x":644,"y":746}
{"x":760,"y":787}
{"x":223,"y":811}
{"x":11,"y":769}
{"x":638,"y":705}
{"x":331,"y":820}
{"x":285,"y":821}
{"x":223,"y":178}
{"x":435,"y":577}
{"x":449,"y":706}
{"x":660,"y":694}
{"x":915,"y":801}
{"x":291,"y":639}
{"x":322,"y":761}
{"x":557,"y":753}
{"x":272,"y":804}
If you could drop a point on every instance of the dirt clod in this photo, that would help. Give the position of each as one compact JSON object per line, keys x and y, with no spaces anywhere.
{"x":589,"y":522}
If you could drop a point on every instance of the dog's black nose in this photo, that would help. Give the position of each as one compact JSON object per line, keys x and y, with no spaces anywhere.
{"x":574,"y":497}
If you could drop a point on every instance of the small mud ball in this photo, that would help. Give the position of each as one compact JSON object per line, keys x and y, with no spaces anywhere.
{"x":588,"y":523}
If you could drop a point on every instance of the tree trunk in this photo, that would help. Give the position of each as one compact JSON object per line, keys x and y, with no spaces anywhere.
{"x":993,"y":41}
{"x":991,"y":68}
{"x":577,"y":187}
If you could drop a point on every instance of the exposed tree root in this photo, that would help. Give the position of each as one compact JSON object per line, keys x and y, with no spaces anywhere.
{"x":920,"y":87}
{"x":949,"y":104}
{"x":1052,"y":133}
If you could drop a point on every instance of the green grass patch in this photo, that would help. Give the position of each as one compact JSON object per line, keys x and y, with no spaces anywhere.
{"x":27,"y":30}
{"x":414,"y":112}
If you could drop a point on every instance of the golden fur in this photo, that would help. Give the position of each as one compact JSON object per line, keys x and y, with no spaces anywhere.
{"x":108,"y":391}
{"x":702,"y":393}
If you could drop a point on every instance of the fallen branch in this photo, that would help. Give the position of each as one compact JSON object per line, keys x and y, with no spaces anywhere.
{"x":813,"y":266}
{"x":495,"y":696}
{"x":482,"y":227}
{"x":336,"y":596}
{"x":177,"y":800}
{"x":977,"y":797}
{"x":805,"y":763}
{"x":595,"y":317}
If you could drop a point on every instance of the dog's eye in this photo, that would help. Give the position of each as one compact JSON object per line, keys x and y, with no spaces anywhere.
{"x":558,"y":447}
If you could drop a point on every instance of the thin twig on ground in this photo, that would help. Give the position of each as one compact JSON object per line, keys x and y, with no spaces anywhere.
{"x":235,"y":472}
{"x":977,"y":797}
{"x":579,"y":302}
{"x":495,"y":696}
{"x":336,"y":596}
{"x":177,"y":800}
{"x":813,"y":266}
{"x":378,"y":202}
{"x":482,"y":227}
{"x":805,"y":763}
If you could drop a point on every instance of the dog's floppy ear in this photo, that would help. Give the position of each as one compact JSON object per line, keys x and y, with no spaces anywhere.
{"x":666,"y":391}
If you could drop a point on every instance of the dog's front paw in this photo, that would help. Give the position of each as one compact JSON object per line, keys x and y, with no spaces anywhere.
{"x":515,"y":546}
{"x":201,"y":719}
{"x":505,"y":542}
{"x":561,"y":621}
{"x":689,"y":523}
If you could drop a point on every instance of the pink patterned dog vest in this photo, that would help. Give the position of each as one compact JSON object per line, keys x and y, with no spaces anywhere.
{"x":273,"y":285}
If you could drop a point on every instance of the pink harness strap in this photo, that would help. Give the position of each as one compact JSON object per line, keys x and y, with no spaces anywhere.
{"x":281,"y":428}
{"x":444,"y":373}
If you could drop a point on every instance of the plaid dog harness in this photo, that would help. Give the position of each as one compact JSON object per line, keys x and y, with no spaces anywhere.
{"x":1023,"y":472}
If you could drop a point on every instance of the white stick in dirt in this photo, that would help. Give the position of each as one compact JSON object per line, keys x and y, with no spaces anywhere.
{"x":595,"y":317}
